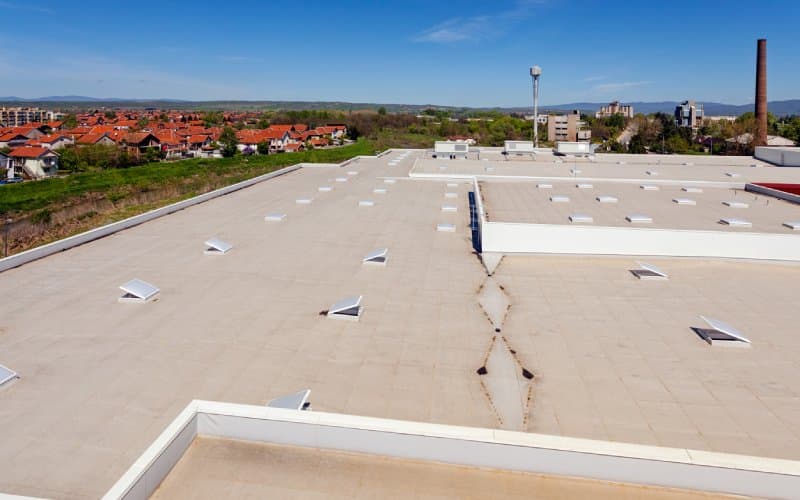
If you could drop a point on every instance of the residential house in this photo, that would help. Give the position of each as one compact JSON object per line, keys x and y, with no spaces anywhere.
{"x":56,"y":141}
{"x":12,"y":140}
{"x":93,"y":138}
{"x":33,"y":162}
{"x":138,"y":143}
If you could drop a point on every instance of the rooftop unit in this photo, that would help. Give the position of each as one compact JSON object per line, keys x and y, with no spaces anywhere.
{"x":735,"y":222}
{"x":216,"y":246}
{"x":294,"y":401}
{"x":649,"y":272}
{"x":639,"y":219}
{"x":559,"y":198}
{"x":684,"y":201}
{"x":607,"y":199}
{"x":274,"y":217}
{"x":721,"y":334}
{"x":138,"y":292}
{"x":581,"y":218}
{"x":379,"y":257}
{"x":446,"y":228}
{"x":349,"y":309}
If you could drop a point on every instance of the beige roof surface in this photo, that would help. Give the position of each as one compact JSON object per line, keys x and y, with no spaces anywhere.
{"x":613,"y":357}
{"x":524,"y":202}
{"x":216,"y":468}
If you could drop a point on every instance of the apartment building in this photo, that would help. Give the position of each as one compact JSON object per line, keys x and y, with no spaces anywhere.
{"x":615,"y":108}
{"x":567,"y":127}
{"x":16,"y":117}
{"x":689,"y":114}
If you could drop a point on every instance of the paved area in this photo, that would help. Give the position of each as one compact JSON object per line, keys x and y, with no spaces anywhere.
{"x":217,"y":469}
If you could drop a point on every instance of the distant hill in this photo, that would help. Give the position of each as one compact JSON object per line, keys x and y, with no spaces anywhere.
{"x":780,"y":108}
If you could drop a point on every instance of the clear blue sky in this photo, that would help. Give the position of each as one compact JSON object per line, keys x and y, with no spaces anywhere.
{"x":473,"y":53}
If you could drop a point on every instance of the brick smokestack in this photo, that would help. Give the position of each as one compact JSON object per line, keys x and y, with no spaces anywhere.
{"x":761,"y":94}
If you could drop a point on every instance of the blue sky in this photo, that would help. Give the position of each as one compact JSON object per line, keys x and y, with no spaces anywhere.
{"x":471,"y":53}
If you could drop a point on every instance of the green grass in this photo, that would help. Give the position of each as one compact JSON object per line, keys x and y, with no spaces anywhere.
{"x":116,"y":184}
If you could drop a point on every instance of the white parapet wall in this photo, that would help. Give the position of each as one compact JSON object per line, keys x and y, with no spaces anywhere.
{"x":781,"y":156}
{"x":467,"y":446}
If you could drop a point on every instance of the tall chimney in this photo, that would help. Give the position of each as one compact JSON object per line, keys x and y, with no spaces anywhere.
{"x":761,"y":94}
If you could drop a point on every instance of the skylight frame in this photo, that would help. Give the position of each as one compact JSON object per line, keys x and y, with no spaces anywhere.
{"x":445,"y":227}
{"x":581,"y":219}
{"x":607,"y":199}
{"x":584,"y":185}
{"x":450,"y":208}
{"x":304,"y":201}
{"x":559,"y":198}
{"x":216,"y":246}
{"x":7,"y":375}
{"x":378,"y":257}
{"x":138,"y":291}
{"x":649,"y":187}
{"x":639,"y":219}
{"x":721,"y":334}
{"x":274,"y":217}
{"x":735,"y":222}
{"x":648,"y":272}
{"x":735,"y":204}
{"x":690,"y":189}
{"x":450,"y":194}
{"x":684,"y":201}
{"x":295,"y":401}
{"x":345,"y":308}
{"x":366,"y":203}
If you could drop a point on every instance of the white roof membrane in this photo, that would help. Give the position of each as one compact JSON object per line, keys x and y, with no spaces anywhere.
{"x":216,"y":246}
{"x":137,"y":290}
{"x":294,"y":401}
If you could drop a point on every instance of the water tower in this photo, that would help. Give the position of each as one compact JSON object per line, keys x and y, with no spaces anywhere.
{"x":536,"y":72}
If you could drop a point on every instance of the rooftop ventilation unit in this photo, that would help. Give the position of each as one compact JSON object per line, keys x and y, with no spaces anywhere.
{"x":684,"y":201}
{"x":138,"y":292}
{"x":734,"y":222}
{"x":584,"y":186}
{"x":296,"y":401}
{"x":732,"y":174}
{"x":451,"y":195}
{"x":303,"y":201}
{"x":7,"y":375}
{"x":352,"y":172}
{"x":379,"y":256}
{"x":446,"y":228}
{"x":544,"y":186}
{"x":621,"y":162}
{"x":639,"y":219}
{"x":607,"y":199}
{"x":649,"y":187}
{"x":274,"y":217}
{"x":325,"y":189}
{"x":366,"y":203}
{"x":216,"y":246}
{"x":692,"y":190}
{"x":389,"y":181}
{"x":649,"y":272}
{"x":688,"y":164}
{"x":721,"y":334}
{"x":581,"y":218}
{"x":449,"y":208}
{"x":559,"y":198}
{"x":574,"y":171}
{"x":349,"y":308}
{"x":651,"y":172}
{"x":735,"y":204}
{"x":379,"y":190}
{"x":794,"y":225}
{"x":341,"y":179}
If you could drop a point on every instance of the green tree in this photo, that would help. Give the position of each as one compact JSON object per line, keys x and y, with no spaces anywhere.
{"x":110,"y":114}
{"x":229,"y":142}
{"x":263,"y":148}
{"x":637,"y":145}
{"x":382,"y":111}
{"x":143,"y":122}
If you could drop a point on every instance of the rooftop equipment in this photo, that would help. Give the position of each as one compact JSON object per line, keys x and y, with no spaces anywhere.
{"x":389,"y":181}
{"x":518,"y":147}
{"x":366,"y":203}
{"x":584,"y":186}
{"x":349,"y":309}
{"x":274,"y":217}
{"x":734,"y":222}
{"x":649,"y":272}
{"x":138,"y":292}
{"x":216,"y":246}
{"x":341,"y":179}
{"x":446,"y":228}
{"x":794,"y":225}
{"x":325,"y":189}
{"x":379,"y":190}
{"x":639,"y":219}
{"x":295,"y":401}
{"x":559,"y":198}
{"x":544,"y":186}
{"x":449,"y":208}
{"x":735,"y":204}
{"x":303,"y":201}
{"x":649,"y":187}
{"x":581,"y":218}
{"x":684,"y":201}
{"x":692,"y":190}
{"x":451,"y":195}
{"x":607,"y":199}
{"x":379,"y":256}
{"x":7,"y":375}
{"x":721,"y":334}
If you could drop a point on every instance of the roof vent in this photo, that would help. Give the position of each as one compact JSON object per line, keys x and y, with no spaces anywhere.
{"x":325,"y":189}
{"x":341,"y":179}
{"x":651,"y":172}
{"x":688,"y":164}
{"x":639,"y":219}
{"x":684,"y":201}
{"x":574,"y":171}
{"x":449,"y":208}
{"x":794,"y":225}
{"x":581,"y":218}
{"x":649,"y":187}
{"x":734,"y":222}
{"x":379,"y":256}
{"x":451,"y":195}
{"x":303,"y":201}
{"x":452,"y":184}
{"x":274,"y":217}
{"x":138,"y":291}
{"x":379,"y":190}
{"x":217,"y":247}
{"x":296,"y":401}
{"x":620,"y":162}
{"x":7,"y":375}
{"x":732,"y":174}
{"x":735,"y":204}
{"x":446,"y":228}
{"x":584,"y":186}
{"x":366,"y":203}
{"x":352,"y":172}
{"x":692,"y":190}
{"x":389,"y":181}
{"x":649,"y":272}
{"x":349,"y":308}
{"x":559,"y":198}
{"x":607,"y":199}
{"x":721,"y":334}
{"x":544,"y":186}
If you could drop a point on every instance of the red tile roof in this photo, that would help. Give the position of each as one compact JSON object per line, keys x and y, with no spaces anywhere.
{"x":29,"y":152}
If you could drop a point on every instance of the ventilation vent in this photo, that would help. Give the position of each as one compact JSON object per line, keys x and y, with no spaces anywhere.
{"x":544,"y":186}
{"x":379,"y":190}
{"x":734,"y":222}
{"x":296,"y":401}
{"x":649,"y":187}
{"x":732,"y":174}
{"x":216,"y":246}
{"x":684,"y":201}
{"x":379,"y":256}
{"x":303,"y":201}
{"x":325,"y":189}
{"x":274,"y":217}
{"x":607,"y":199}
{"x":138,"y":292}
{"x":794,"y":225}
{"x":558,"y":198}
{"x":341,"y":179}
{"x":574,"y":171}
{"x":620,"y":163}
{"x":446,"y":228}
{"x":366,"y":203}
{"x":639,"y":219}
{"x":7,"y":375}
{"x":735,"y":204}
{"x":651,"y":172}
{"x":349,"y":308}
{"x":352,"y":172}
{"x":452,"y":185}
{"x":649,"y":272}
{"x":451,"y":195}
{"x":449,"y":208}
{"x":721,"y":334}
{"x":692,"y":190}
{"x":584,"y":186}
{"x":581,"y":218}
{"x":389,"y":181}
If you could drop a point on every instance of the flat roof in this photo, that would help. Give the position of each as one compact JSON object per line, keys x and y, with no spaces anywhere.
{"x":221,"y":468}
{"x":613,"y":357}
{"x":506,"y":201}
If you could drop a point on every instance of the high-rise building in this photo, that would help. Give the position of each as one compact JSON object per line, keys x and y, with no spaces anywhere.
{"x":16,"y":117}
{"x":615,"y":108}
{"x":566,"y":127}
{"x":689,"y":114}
